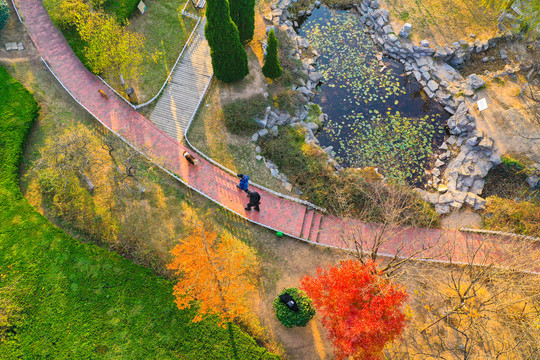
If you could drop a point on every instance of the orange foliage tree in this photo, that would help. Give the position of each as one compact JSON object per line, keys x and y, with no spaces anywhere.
{"x":216,"y":272}
{"x":360,"y":309}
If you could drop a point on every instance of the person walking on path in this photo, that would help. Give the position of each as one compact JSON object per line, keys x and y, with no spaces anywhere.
{"x":244,"y":182}
{"x":254,"y":200}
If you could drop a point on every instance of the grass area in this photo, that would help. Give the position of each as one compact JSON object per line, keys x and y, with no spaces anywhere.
{"x":511,"y":205}
{"x":240,"y":115}
{"x":122,"y":9}
{"x":67,"y":299}
{"x":209,"y":134}
{"x":155,"y":220}
{"x":166,"y":31}
{"x":443,"y":21}
{"x":509,"y":215}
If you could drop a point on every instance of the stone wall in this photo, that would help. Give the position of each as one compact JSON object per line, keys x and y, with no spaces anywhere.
{"x":467,"y":155}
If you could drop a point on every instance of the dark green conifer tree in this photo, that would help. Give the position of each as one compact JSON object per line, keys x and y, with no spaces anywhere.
{"x":4,"y":13}
{"x":272,"y":69}
{"x":243,"y":15}
{"x":229,"y":58}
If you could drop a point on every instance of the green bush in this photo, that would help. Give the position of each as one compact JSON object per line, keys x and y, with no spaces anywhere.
{"x":511,"y":162}
{"x":287,"y":100}
{"x":508,"y":215}
{"x":4,"y":13}
{"x":349,"y":193}
{"x":240,"y":114}
{"x":290,"y":318}
{"x":121,"y":9}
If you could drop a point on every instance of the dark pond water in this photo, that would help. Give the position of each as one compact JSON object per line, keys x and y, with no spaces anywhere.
{"x":378,"y":116}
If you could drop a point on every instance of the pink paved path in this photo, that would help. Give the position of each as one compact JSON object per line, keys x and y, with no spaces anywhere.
{"x":276,"y":213}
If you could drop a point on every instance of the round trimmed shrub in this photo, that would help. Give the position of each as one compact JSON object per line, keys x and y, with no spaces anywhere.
{"x":290,"y":318}
{"x":4,"y":13}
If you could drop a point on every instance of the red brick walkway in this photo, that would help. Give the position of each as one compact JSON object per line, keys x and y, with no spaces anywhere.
{"x":276,"y":213}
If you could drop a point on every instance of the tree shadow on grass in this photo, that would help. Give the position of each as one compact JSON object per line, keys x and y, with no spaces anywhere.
{"x":233,"y":343}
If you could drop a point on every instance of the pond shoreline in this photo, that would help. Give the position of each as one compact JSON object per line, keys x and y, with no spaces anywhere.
{"x":466,"y":156}
{"x":367,"y":95}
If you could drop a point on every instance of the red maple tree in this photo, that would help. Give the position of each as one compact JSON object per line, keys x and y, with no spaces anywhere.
{"x":360,"y":309}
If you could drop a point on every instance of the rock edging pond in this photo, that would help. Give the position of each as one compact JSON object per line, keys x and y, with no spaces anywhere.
{"x":467,"y":154}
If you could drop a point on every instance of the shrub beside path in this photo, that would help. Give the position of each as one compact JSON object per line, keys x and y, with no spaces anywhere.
{"x":276,"y":213}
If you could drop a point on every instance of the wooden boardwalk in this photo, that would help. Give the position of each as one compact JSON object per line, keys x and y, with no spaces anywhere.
{"x":180,"y":99}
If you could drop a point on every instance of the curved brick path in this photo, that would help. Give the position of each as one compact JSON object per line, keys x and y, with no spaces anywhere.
{"x":276,"y":213}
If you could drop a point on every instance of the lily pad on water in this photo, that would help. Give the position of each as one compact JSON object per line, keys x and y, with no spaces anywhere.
{"x":369,"y":124}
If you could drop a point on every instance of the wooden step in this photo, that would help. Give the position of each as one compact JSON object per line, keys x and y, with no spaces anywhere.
{"x":179,"y":87}
{"x":190,"y":76}
{"x":177,"y":106}
{"x":169,"y":128}
{"x":314,"y":233}
{"x":173,"y":114}
{"x":186,"y":70}
{"x":177,"y":101}
{"x":194,"y":71}
{"x":200,"y":55}
{"x":306,"y":226}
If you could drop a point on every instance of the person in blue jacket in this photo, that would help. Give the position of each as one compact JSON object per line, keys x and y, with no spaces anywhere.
{"x":244,"y":182}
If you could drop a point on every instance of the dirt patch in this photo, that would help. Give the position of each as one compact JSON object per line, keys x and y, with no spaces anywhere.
{"x":291,"y":260}
{"x":464,"y":218}
{"x":515,"y":50}
{"x":14,"y":31}
{"x":505,"y":120}
{"x":254,"y":83}
{"x":507,"y":182}
{"x":442,"y":21}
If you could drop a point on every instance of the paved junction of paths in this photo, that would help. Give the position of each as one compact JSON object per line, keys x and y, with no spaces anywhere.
{"x":294,"y":219}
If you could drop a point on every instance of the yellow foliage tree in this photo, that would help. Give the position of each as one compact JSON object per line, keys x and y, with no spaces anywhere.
{"x":111,"y":47}
{"x":66,"y":13}
{"x":216,"y":272}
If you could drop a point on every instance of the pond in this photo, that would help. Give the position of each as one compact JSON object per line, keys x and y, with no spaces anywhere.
{"x":378,"y":116}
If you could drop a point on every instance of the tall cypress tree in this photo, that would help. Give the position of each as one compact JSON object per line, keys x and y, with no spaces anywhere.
{"x":243,"y":15}
{"x":4,"y":13}
{"x":272,"y":69}
{"x":229,"y":58}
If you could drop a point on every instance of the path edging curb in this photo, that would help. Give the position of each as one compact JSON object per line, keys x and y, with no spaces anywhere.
{"x":212,"y":161}
{"x":188,"y":42}
{"x":500,"y":233}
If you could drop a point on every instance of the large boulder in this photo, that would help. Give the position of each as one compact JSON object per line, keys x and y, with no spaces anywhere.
{"x":534,"y":182}
{"x":405,"y":30}
{"x":475,"y":82}
{"x":315,"y":77}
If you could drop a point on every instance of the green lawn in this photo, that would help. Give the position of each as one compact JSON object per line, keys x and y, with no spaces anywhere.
{"x":62,"y":299}
{"x":166,"y":31}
